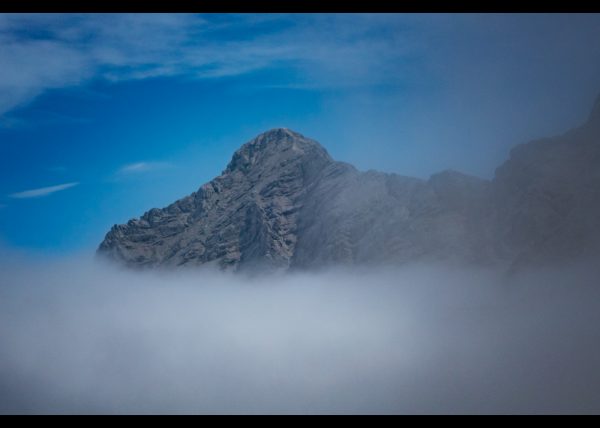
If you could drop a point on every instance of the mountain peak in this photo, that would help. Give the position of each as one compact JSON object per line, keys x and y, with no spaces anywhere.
{"x":283,"y":202}
{"x":276,"y":147}
{"x":278,"y":133}
{"x":281,"y":136}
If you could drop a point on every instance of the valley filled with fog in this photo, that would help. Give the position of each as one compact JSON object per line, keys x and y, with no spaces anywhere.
{"x":81,"y":336}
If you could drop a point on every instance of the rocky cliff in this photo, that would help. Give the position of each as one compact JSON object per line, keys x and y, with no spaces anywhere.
{"x":283,"y":202}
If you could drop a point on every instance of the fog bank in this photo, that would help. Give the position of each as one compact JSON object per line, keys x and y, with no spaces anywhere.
{"x":78,"y":336}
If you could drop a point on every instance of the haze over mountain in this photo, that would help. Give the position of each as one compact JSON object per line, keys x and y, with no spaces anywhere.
{"x":283,"y":202}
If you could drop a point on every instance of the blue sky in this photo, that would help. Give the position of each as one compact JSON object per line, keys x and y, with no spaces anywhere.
{"x":103,"y":117}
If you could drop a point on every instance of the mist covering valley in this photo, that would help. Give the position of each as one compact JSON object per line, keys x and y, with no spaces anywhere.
{"x":417,"y":339}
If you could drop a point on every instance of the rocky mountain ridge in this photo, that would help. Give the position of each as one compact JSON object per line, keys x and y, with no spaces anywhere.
{"x":282,"y":202}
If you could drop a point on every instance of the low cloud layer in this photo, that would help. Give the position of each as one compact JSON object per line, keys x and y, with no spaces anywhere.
{"x":79,"y":337}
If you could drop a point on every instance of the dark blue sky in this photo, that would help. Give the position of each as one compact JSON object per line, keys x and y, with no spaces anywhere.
{"x":103,"y":117}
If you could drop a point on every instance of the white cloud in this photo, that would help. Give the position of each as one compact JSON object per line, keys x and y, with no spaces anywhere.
{"x":40,"y":52}
{"x":139,"y":167}
{"x":43,"y":191}
{"x":85,"y":337}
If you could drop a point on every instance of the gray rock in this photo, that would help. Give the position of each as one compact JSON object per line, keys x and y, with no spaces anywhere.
{"x":283,"y":202}
{"x":546,"y":198}
{"x":248,"y":215}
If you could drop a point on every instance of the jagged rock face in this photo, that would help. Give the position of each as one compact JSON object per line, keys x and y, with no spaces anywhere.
{"x":283,"y":202}
{"x":547,"y":198}
{"x":352,"y":217}
{"x":247,"y":215}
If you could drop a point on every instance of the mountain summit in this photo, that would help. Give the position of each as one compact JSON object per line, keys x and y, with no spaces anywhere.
{"x":272,"y":148}
{"x":283,"y":202}
{"x":246,"y":215}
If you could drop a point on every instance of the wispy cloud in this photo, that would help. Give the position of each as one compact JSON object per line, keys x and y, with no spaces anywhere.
{"x":40,"y":52}
{"x":42,"y":191}
{"x":139,"y":167}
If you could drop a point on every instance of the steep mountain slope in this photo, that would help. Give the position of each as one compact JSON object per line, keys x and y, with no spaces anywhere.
{"x":283,"y":202}
{"x":546,"y":198}
{"x":353,"y":217}
{"x":247,"y":214}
